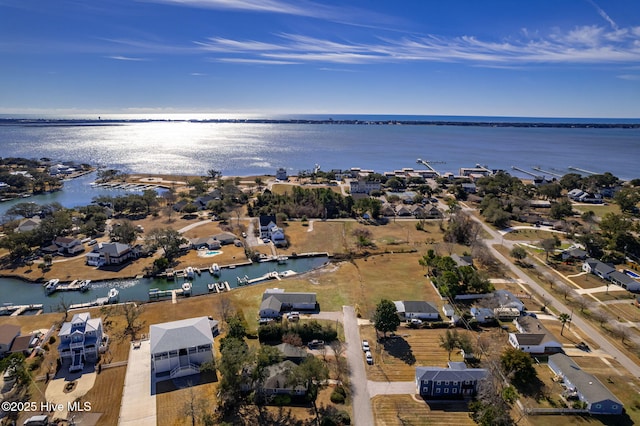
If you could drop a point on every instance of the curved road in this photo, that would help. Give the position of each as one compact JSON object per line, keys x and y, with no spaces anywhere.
{"x":592,"y":332}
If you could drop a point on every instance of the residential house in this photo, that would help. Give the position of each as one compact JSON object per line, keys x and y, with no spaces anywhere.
{"x":624,"y":281}
{"x":68,"y":246}
{"x":23,"y":344}
{"x":29,"y":224}
{"x":448,"y":310}
{"x":269,"y":229}
{"x":594,"y":266}
{"x":574,"y":253}
{"x":292,"y":353}
{"x":483,"y":315}
{"x":419,"y":309}
{"x":104,"y":254}
{"x":456,"y":381}
{"x":506,"y":314}
{"x":540,"y":204}
{"x":387,"y":210}
{"x":8,"y":333}
{"x":506,"y":299}
{"x":275,"y":301}
{"x":462,"y":260}
{"x":80,"y":340}
{"x":179,"y":348}
{"x":267,"y":222}
{"x":205,"y":242}
{"x":402,"y":210}
{"x":535,"y":343}
{"x":179,"y":205}
{"x":529,"y":324}
{"x":277,"y":380}
{"x":364,"y":186}
{"x":225,"y":238}
{"x":584,"y":386}
{"x":469,"y":187}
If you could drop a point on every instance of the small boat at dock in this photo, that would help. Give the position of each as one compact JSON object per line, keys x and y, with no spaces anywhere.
{"x":189,"y":272}
{"x":51,"y":286}
{"x":186,"y":288}
{"x":214,"y":269}
{"x":113,"y":295}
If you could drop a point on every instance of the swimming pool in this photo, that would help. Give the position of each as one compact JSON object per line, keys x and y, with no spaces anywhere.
{"x":632,"y":274}
{"x":208,"y":253}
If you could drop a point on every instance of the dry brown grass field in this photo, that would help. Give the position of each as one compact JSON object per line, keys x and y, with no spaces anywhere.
{"x":400,"y":410}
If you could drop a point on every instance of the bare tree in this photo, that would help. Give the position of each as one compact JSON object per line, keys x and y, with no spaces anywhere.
{"x":341,"y":363}
{"x":581,"y":301}
{"x":225,"y":307}
{"x":599,"y":316}
{"x":132,"y":312}
{"x":545,"y":301}
{"x":564,"y":290}
{"x":194,"y":407}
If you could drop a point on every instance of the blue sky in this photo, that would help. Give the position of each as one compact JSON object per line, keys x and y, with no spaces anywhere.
{"x":570,"y":58}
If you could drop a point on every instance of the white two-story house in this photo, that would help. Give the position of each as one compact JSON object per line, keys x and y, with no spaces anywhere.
{"x":80,"y":340}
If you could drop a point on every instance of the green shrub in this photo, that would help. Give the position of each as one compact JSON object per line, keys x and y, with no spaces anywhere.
{"x":52,"y":340}
{"x":337,"y":397}
{"x":281,"y":400}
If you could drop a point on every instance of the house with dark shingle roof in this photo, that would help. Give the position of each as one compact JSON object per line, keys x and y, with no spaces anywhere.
{"x":276,"y":300}
{"x":594,"y":266}
{"x":409,"y":309}
{"x":179,"y":348}
{"x":586,"y":387}
{"x":624,"y":281}
{"x":456,"y":381}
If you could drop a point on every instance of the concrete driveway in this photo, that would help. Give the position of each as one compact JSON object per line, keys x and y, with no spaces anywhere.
{"x":138,"y":406}
{"x":55,"y":393}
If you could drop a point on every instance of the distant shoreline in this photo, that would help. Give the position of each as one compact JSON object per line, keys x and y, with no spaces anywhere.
{"x":42,"y":122}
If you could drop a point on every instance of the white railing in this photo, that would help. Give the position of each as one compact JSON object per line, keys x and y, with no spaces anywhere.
{"x":179,"y":369}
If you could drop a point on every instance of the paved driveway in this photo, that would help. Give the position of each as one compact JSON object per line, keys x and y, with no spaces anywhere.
{"x":362,"y":414}
{"x":138,"y":406}
{"x":391,"y":388}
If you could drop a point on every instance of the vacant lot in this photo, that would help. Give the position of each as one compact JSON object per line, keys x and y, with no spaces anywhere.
{"x":392,"y":410}
{"x":395,"y":359}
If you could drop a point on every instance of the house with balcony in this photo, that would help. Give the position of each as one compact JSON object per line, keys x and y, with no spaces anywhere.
{"x":68,"y":246}
{"x":80,"y":340}
{"x":104,"y":254}
{"x":455,"y":381}
{"x":179,"y":348}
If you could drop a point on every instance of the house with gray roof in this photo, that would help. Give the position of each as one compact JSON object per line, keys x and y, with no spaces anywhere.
{"x":80,"y":340}
{"x":205,"y":242}
{"x":419,"y":309}
{"x":574,"y":253}
{"x":292,"y":353}
{"x":535,"y":343}
{"x":462,"y":260}
{"x":277,"y":380}
{"x":586,"y":387}
{"x":110,"y":254}
{"x":594,"y":266}
{"x":506,"y":299}
{"x":179,"y":348}
{"x":624,"y":281}
{"x":456,"y":381}
{"x":276,"y":300}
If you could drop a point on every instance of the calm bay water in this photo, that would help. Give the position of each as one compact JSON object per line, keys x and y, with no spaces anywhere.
{"x":237,"y":149}
{"x":183,"y":147}
{"x":18,"y":292}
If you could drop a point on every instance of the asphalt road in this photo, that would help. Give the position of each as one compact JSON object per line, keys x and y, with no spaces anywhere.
{"x":589,"y":330}
{"x":362,"y":414}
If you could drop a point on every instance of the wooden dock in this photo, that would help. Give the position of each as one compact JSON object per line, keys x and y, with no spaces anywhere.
{"x":15,"y":310}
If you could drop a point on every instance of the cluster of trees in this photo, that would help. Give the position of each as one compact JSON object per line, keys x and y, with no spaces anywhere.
{"x":316,"y":202}
{"x":244,"y":369}
{"x":38,"y":182}
{"x":453,"y":280}
{"x":306,"y":331}
{"x":56,"y":223}
{"x":130,"y":204}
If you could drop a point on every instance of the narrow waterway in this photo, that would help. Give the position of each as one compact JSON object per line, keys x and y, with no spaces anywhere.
{"x":17,"y":292}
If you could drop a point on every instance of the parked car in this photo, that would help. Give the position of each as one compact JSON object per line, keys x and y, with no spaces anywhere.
{"x":415,"y":321}
{"x":293,"y":316}
{"x":315,"y":344}
{"x":369,"y":357}
{"x":365,"y":346}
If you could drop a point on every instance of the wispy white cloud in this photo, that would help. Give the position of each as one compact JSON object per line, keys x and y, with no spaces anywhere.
{"x":197,"y":74}
{"x":253,"y":61}
{"x":581,"y":45}
{"x":298,"y":8}
{"x":631,"y":77}
{"x":127,"y":58}
{"x":604,"y":14}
